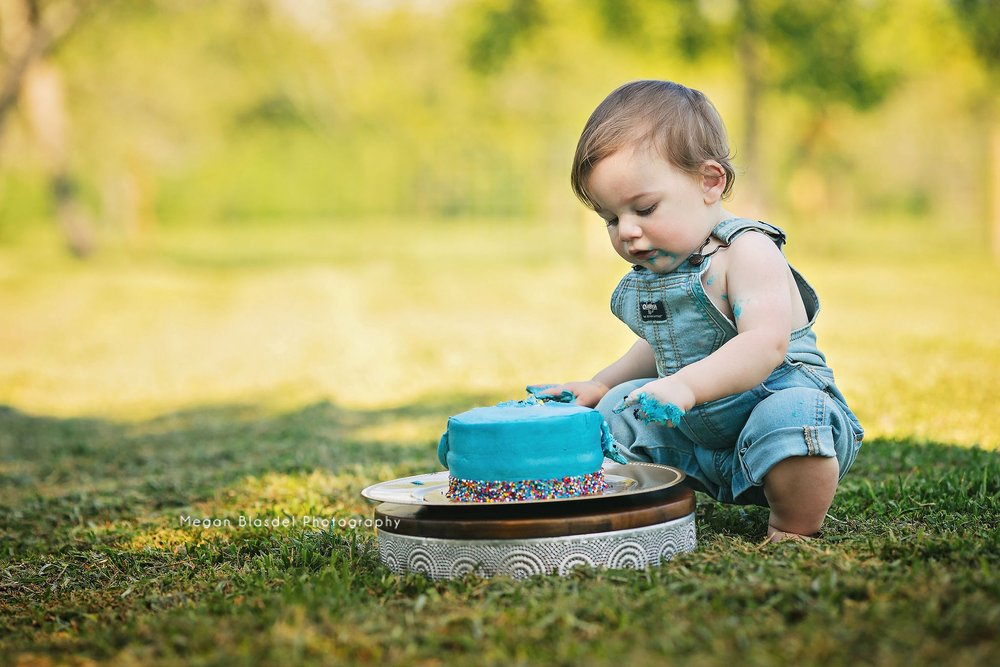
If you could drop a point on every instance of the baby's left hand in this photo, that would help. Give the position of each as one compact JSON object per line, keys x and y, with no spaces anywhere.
{"x":668,"y":391}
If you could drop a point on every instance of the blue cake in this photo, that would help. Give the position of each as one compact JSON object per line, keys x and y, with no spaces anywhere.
{"x":525,"y":450}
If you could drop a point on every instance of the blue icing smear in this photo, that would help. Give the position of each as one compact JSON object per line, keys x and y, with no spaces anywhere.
{"x":609,"y":445}
{"x":565,"y":396}
{"x":531,"y":400}
{"x":653,"y":411}
{"x":661,"y":253}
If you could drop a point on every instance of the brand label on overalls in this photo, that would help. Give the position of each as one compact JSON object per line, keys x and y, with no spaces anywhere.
{"x":652,"y":311}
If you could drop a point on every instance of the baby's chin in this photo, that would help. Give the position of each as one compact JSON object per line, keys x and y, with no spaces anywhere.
{"x":655,"y":260}
{"x":661,"y":261}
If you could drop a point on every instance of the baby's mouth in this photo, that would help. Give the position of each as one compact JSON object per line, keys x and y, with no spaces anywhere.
{"x":643,"y":255}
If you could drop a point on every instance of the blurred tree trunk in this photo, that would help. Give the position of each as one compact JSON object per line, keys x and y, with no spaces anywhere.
{"x":30,"y":33}
{"x":755,"y":198}
{"x":45,"y":107}
{"x":981,"y":21}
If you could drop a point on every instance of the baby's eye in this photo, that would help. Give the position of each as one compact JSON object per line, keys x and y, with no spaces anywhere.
{"x":613,"y":222}
{"x":646,"y":211}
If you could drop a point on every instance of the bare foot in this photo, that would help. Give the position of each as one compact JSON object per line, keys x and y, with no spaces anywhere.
{"x":781,"y":536}
{"x":774,"y":535}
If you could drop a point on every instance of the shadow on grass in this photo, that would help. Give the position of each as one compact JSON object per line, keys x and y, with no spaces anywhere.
{"x":93,"y":563}
{"x":62,"y":474}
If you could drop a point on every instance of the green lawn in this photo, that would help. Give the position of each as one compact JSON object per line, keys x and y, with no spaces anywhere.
{"x":275,"y":372}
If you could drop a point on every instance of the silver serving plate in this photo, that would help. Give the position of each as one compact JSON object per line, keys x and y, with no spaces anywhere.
{"x":623,"y":480}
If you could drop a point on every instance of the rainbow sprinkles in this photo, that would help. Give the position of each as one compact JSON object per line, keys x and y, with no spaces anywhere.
{"x":471,"y":491}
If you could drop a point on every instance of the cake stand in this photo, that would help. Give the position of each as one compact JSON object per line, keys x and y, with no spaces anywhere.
{"x":637,"y":526}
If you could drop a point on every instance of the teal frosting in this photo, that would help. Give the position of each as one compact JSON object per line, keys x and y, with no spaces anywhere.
{"x":609,"y":445}
{"x":653,"y":410}
{"x":531,"y":400}
{"x":442,"y":450}
{"x":671,"y":257}
{"x":565,"y":396}
{"x":512,"y":442}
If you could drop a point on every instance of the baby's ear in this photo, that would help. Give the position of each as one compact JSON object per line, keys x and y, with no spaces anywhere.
{"x":713,"y":181}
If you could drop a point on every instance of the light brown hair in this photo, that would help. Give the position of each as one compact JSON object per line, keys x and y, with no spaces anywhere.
{"x":680,"y":123}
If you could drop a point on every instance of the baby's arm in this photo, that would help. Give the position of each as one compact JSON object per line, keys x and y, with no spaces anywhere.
{"x":638,"y":362}
{"x":757,"y":284}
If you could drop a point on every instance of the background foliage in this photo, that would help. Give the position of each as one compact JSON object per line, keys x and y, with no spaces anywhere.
{"x":204,"y":112}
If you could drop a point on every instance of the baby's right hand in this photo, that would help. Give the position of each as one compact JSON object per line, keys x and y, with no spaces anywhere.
{"x":588,"y":393}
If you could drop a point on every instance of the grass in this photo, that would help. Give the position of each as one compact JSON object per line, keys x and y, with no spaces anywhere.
{"x":275,"y":373}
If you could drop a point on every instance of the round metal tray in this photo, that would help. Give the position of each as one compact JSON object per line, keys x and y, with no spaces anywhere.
{"x":633,"y":479}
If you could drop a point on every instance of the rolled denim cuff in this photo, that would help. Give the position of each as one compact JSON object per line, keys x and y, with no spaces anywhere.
{"x":757,"y":459}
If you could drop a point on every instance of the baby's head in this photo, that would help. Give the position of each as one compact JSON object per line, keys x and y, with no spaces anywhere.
{"x":677,"y":122}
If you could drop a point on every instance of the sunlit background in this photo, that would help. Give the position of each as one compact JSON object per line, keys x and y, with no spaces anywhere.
{"x":284,"y":201}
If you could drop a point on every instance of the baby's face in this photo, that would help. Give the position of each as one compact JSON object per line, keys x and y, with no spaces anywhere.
{"x":656,"y":214}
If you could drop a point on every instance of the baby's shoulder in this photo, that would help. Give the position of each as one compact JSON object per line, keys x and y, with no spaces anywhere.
{"x":748,"y":256}
{"x":754,"y":238}
{"x":753,"y":248}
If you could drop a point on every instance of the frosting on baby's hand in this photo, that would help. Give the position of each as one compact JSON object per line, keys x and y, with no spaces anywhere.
{"x":537,"y":390}
{"x":653,"y":411}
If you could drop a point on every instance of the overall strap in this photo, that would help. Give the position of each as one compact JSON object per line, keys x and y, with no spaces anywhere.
{"x":728,"y":230}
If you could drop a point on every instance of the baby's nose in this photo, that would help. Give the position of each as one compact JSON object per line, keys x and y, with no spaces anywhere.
{"x":629,"y":228}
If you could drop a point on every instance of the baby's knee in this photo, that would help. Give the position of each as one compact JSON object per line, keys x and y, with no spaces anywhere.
{"x":799,"y":491}
{"x":796,"y":423}
{"x":803,"y":475}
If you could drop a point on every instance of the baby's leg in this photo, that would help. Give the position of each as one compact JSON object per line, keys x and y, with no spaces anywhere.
{"x":799,"y":491}
{"x":795,"y":443}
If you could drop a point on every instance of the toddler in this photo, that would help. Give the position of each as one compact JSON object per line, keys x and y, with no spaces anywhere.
{"x":725,"y":380}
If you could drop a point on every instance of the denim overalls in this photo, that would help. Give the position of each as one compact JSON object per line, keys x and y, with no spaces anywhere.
{"x":726,"y":446}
